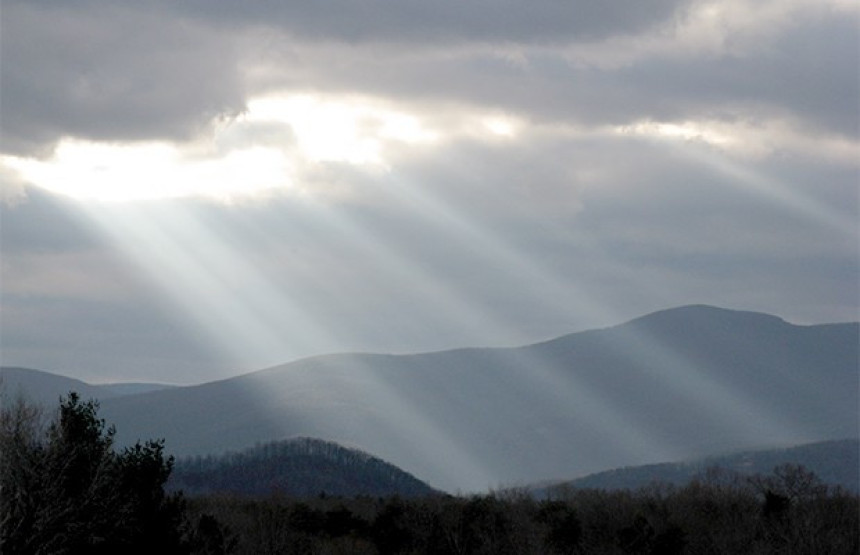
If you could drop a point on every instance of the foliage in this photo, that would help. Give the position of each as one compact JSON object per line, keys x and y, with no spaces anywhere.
{"x":834,"y":461}
{"x":64,"y":489}
{"x":717,"y":514}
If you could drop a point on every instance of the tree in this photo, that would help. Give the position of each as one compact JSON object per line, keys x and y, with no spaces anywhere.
{"x":66,"y":490}
{"x":563,"y":529}
{"x":19,"y":474}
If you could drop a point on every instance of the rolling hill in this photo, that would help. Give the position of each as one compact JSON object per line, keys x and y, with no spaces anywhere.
{"x":674,"y":385}
{"x":301,"y":467}
{"x":835,"y":463}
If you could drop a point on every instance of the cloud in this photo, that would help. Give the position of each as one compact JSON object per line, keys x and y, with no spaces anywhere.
{"x":801,"y":74}
{"x":167,"y":70}
{"x":176,"y":71}
{"x":112,"y":73}
{"x":414,"y":21}
{"x":708,"y":29}
{"x":786,"y":72}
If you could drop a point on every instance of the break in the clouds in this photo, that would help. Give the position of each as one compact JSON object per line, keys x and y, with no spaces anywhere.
{"x":209,"y":187}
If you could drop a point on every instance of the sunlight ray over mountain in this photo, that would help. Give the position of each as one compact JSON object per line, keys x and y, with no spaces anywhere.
{"x":738,"y":413}
{"x":720,"y":148}
{"x":239,"y":310}
{"x":247,"y":316}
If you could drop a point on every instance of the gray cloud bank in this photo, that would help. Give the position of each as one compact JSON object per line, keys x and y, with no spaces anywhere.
{"x":571,"y":223}
{"x":165,"y":70}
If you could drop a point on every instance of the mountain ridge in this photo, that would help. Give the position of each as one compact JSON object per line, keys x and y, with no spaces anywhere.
{"x":45,"y":388}
{"x":679,"y":383}
{"x":835,"y":463}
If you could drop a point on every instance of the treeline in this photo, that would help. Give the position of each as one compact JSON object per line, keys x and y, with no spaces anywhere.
{"x":835,"y":462}
{"x":299,"y":467}
{"x":64,"y":489}
{"x":790,"y":511}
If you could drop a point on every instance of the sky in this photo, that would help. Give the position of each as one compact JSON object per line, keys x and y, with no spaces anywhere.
{"x":194,"y":190}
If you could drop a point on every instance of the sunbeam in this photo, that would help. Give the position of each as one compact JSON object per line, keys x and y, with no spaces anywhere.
{"x":245,"y":316}
{"x":491,"y":245}
{"x":758,"y":184}
{"x":705,"y":146}
{"x":393,"y":254}
{"x":739,"y":415}
{"x":137,"y":172}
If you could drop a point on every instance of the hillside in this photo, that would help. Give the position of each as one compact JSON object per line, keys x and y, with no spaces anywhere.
{"x":674,"y":385}
{"x":836,"y":463}
{"x":301,"y":467}
{"x":46,"y":388}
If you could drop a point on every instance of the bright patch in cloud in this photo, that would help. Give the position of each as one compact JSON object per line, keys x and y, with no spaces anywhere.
{"x":128,"y":172}
{"x":501,"y":126}
{"x":260,"y":152}
{"x":688,"y":131}
{"x":340,"y":130}
{"x":750,"y":140}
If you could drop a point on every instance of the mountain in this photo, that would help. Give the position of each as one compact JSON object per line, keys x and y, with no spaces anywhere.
{"x":45,"y":388}
{"x":302,"y":467}
{"x":120,"y":389}
{"x":674,"y":385}
{"x":836,"y":463}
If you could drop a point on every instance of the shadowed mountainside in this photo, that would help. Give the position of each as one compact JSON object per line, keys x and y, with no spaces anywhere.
{"x":835,"y":463}
{"x":301,"y":467}
{"x":674,"y":385}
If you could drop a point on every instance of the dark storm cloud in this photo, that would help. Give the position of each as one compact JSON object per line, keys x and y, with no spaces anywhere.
{"x":410,"y":21}
{"x":109,"y":73}
{"x":165,"y":70}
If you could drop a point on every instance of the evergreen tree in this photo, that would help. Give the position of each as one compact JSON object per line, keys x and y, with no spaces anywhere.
{"x":66,"y":490}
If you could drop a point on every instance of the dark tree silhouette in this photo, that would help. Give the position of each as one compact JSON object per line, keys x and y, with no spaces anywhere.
{"x":563,"y":527}
{"x":66,"y":490}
